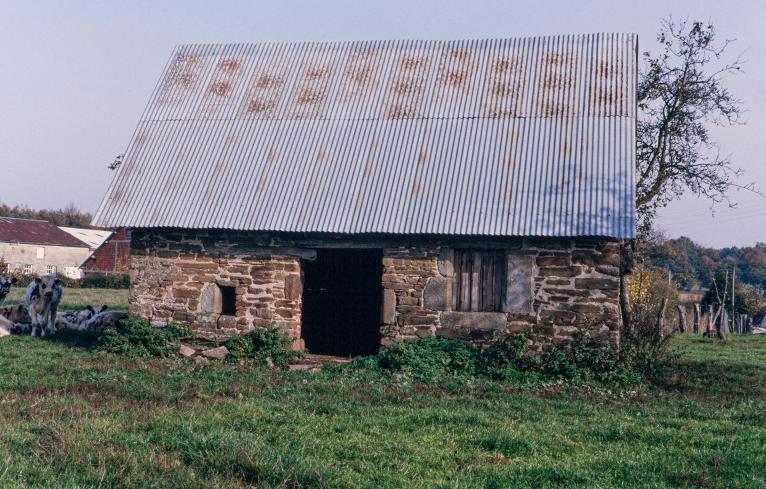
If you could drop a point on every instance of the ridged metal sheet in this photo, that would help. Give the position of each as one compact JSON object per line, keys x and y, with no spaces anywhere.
{"x":510,"y":137}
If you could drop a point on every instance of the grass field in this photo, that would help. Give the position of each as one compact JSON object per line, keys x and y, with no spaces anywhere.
{"x":72,"y":418}
{"x":78,"y":299}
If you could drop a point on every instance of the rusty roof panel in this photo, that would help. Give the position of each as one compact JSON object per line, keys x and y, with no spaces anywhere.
{"x":505,"y":137}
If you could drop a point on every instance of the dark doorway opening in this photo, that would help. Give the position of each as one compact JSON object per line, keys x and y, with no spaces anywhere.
{"x":341,"y":302}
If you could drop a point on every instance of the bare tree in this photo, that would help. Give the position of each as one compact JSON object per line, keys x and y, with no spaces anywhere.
{"x":681,"y":95}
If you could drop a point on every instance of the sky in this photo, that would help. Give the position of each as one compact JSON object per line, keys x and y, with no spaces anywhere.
{"x":76,"y":75}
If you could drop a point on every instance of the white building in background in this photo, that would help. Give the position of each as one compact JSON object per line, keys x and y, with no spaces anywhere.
{"x":36,"y":247}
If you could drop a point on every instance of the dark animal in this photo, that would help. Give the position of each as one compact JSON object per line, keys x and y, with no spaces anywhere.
{"x":5,"y":287}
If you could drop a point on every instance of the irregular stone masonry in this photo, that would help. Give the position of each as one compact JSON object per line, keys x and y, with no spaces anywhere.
{"x":168,"y":274}
{"x":575,"y":284}
{"x":557,"y":285}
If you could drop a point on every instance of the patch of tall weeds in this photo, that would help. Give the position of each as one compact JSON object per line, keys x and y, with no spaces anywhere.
{"x":519,"y":357}
{"x":136,"y":337}
{"x":267,"y":346}
{"x":646,"y":352}
{"x":429,"y":358}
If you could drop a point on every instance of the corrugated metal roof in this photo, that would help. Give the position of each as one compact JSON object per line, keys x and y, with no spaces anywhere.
{"x":29,"y":231}
{"x":507,"y":137}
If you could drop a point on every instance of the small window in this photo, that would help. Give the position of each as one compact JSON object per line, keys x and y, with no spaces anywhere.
{"x":27,"y":269}
{"x":479,"y":280}
{"x":50,"y":269}
{"x":40,"y":253}
{"x":228,"y":300}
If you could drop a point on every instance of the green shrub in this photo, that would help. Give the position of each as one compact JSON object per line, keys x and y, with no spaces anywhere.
{"x":428,"y":358}
{"x":24,"y":280}
{"x":262,"y":344}
{"x":135,"y":336}
{"x":507,"y":355}
{"x":648,"y":357}
{"x":583,"y":356}
{"x":118,"y":281}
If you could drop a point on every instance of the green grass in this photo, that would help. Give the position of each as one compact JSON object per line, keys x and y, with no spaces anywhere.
{"x":78,"y":299}
{"x":71,"y":418}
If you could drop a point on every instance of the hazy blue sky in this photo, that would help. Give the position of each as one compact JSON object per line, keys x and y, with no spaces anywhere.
{"x":75,"y":76}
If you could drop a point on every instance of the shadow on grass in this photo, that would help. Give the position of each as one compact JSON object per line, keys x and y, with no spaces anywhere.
{"x":704,"y":380}
{"x":87,"y":340}
{"x":718,"y":369}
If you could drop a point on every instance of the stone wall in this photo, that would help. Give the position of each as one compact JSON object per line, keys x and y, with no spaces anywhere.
{"x":176,"y":276}
{"x":557,"y":285}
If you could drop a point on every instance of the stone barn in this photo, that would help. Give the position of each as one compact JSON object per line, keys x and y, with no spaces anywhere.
{"x":355,"y":194}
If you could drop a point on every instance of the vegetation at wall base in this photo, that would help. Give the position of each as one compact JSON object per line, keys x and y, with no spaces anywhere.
{"x":266,"y":346}
{"x":518,"y":357}
{"x":136,"y":337}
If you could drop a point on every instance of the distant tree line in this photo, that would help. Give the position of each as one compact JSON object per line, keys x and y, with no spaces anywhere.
{"x":693,"y":266}
{"x":69,"y":216}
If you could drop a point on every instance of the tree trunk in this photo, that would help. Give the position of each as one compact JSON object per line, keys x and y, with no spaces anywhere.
{"x":696,"y":324}
{"x":626,"y":267}
{"x":625,"y":305}
{"x":714,"y":320}
{"x":710,"y":323}
{"x":661,"y":318}
{"x":681,"y":318}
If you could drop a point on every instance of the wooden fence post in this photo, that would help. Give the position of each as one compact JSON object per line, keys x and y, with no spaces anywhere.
{"x":681,"y":318}
{"x":661,"y":318}
{"x":696,"y":324}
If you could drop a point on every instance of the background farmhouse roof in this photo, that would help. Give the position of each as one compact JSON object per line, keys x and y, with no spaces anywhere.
{"x":91,"y":237}
{"x":29,"y":231}
{"x":507,"y":137}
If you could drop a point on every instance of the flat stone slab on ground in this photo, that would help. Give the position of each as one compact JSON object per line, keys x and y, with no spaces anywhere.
{"x":216,"y":353}
{"x":305,"y":368}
